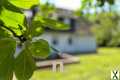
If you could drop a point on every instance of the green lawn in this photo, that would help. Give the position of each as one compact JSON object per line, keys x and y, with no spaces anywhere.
{"x":95,"y":66}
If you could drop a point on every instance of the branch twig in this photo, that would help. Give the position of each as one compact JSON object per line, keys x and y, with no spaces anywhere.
{"x":21,"y":37}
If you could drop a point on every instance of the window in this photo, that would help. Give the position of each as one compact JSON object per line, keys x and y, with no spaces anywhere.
{"x":55,"y":42}
{"x":70,"y":41}
{"x":61,"y":19}
{"x":72,"y":22}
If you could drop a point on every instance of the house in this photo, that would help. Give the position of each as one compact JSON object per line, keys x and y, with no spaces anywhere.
{"x":78,"y":38}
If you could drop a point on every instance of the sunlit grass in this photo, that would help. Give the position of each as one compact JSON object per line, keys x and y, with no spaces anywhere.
{"x":96,"y":66}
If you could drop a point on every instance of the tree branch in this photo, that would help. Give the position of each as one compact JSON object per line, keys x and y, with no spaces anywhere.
{"x":21,"y":37}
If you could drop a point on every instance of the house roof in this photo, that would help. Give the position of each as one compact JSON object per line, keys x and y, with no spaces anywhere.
{"x":79,"y":21}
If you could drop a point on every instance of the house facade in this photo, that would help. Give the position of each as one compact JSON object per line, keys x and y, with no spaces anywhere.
{"x":78,"y":38}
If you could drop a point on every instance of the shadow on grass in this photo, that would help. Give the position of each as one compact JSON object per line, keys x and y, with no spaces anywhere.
{"x":84,"y":53}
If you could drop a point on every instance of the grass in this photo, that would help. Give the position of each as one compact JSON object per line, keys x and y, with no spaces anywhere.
{"x":95,"y":66}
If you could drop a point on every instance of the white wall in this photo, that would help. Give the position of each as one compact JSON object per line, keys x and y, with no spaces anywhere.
{"x":79,"y":43}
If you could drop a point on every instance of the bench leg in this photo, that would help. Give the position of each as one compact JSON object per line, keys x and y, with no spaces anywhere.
{"x":59,"y":64}
{"x":54,"y":67}
{"x":61,"y":67}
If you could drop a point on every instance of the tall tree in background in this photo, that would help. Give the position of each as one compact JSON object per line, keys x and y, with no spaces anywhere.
{"x":87,"y":5}
{"x":105,"y":23}
{"x":106,"y":29}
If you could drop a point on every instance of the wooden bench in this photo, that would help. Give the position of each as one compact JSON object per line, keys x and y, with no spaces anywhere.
{"x":66,"y":59}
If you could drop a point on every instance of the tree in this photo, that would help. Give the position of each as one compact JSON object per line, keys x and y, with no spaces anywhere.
{"x":17,"y":30}
{"x":106,"y":29}
{"x":87,"y":5}
{"x":105,"y":25}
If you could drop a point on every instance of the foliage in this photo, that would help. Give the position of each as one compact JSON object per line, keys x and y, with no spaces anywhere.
{"x":39,"y":46}
{"x":50,"y":23}
{"x":17,"y":18}
{"x":102,"y":2}
{"x":47,"y":9}
{"x":25,"y":4}
{"x":106,"y":29}
{"x":25,"y":62}
{"x":105,"y":24}
{"x":17,"y":32}
{"x":92,"y":4}
{"x":6,"y":58}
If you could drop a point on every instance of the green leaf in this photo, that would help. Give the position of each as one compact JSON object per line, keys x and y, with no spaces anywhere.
{"x":56,"y":25}
{"x":40,"y":48}
{"x":24,"y":65}
{"x":1,"y":2}
{"x":11,"y":7}
{"x":1,"y":23}
{"x":51,"y":23}
{"x":6,"y":4}
{"x":12,"y":20}
{"x":7,"y":50}
{"x":1,"y":5}
{"x":3,"y":33}
{"x":36,"y":29}
{"x":26,"y":4}
{"x":0,"y":9}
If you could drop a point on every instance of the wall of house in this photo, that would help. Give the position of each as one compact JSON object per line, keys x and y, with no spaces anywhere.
{"x":71,"y":43}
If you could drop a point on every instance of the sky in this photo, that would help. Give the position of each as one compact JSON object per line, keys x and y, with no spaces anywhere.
{"x":66,"y":4}
{"x":75,"y":4}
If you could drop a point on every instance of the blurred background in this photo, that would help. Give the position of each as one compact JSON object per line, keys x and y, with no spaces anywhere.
{"x":94,"y":28}
{"x":93,"y":23}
